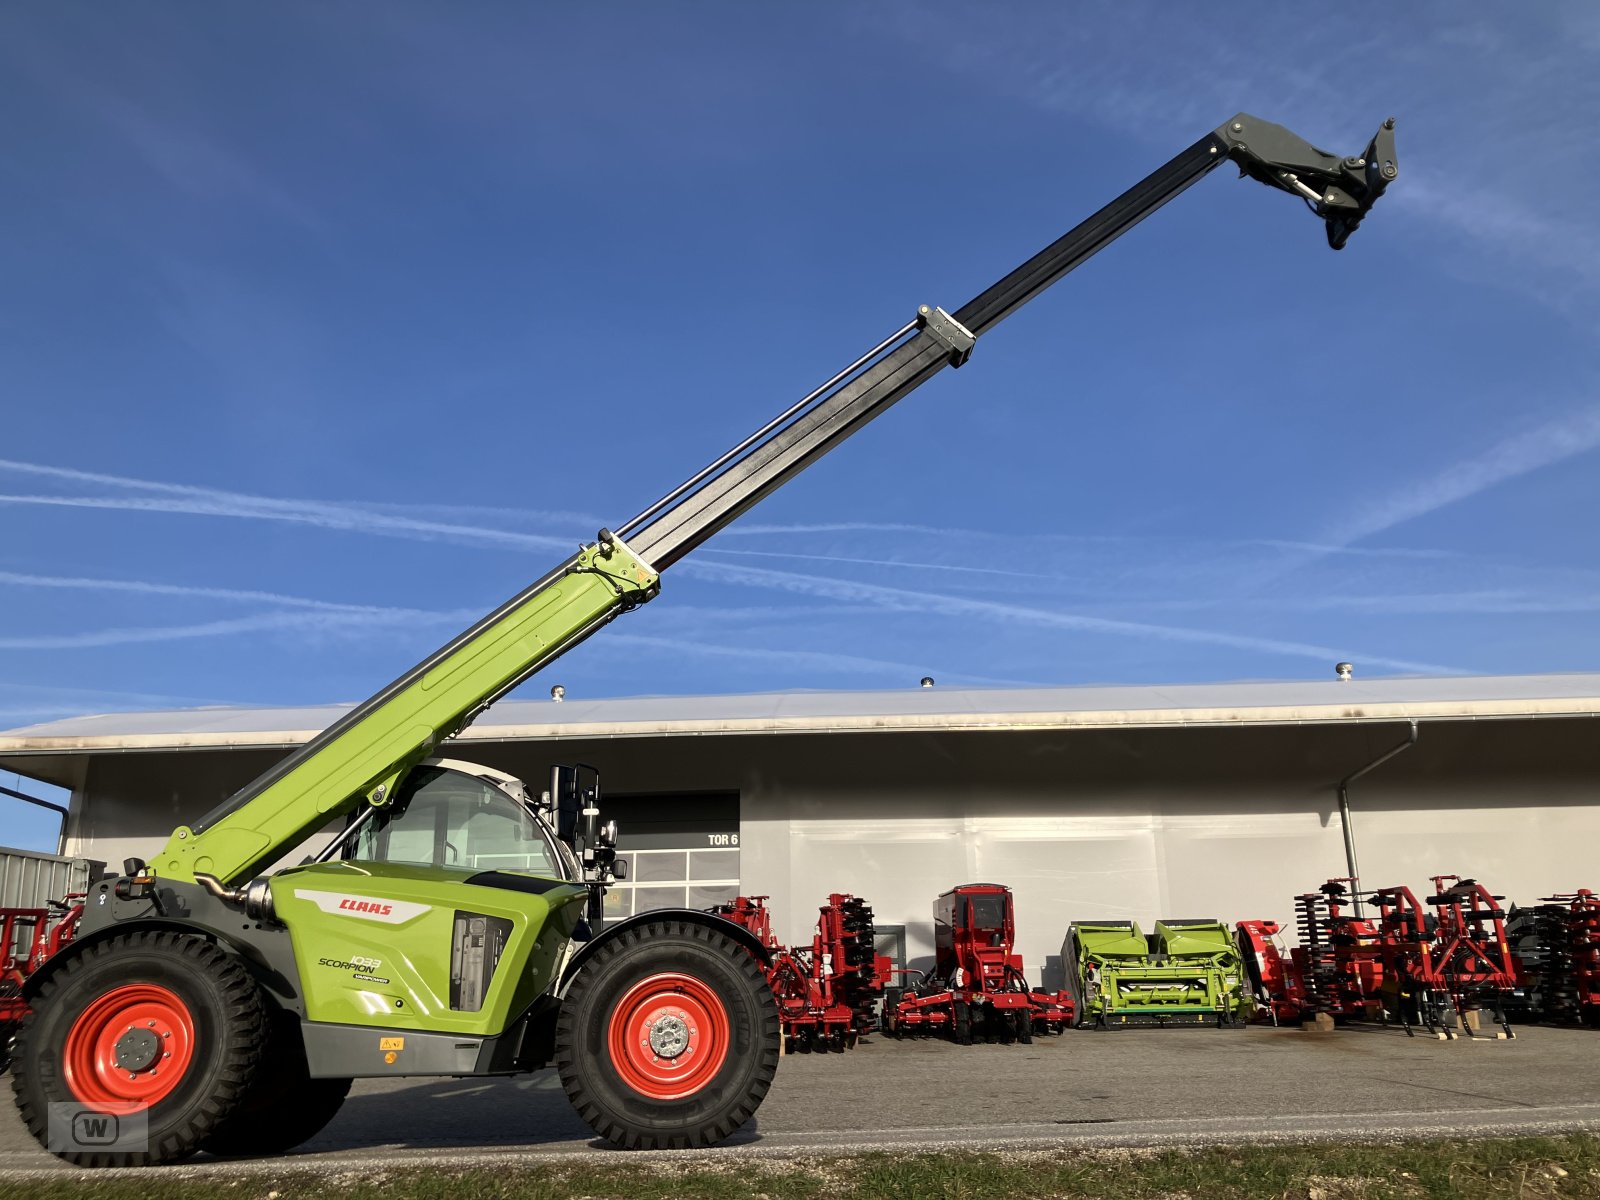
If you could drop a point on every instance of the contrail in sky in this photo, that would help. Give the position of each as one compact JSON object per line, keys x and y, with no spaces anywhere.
{"x":203,"y":501}
{"x":223,"y":503}
{"x":310,"y":622}
{"x":141,"y":587}
{"x":901,"y":600}
{"x":1545,"y":445}
{"x":328,"y":616}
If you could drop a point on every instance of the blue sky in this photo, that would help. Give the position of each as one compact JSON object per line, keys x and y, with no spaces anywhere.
{"x":325,"y":328}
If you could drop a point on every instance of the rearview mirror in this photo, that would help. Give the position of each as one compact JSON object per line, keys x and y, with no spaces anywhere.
{"x":564,"y":801}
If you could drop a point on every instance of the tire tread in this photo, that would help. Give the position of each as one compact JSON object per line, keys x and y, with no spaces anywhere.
{"x":625,"y":1134}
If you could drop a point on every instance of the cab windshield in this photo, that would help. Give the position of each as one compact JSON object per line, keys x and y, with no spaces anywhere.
{"x":446,"y":818}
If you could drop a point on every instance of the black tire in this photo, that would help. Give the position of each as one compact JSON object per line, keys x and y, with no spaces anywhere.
{"x":216,"y":994}
{"x":284,"y":1107}
{"x":1025,"y":1028}
{"x":963,"y":1024}
{"x":597,"y":1007}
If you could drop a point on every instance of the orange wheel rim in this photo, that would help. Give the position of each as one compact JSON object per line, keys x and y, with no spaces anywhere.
{"x":131,"y":1046}
{"x":669,"y":1036}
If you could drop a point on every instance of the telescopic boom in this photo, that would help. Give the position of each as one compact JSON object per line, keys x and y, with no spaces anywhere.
{"x":362,"y":757}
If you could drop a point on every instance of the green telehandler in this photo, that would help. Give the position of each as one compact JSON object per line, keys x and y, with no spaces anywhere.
{"x":214,"y":1003}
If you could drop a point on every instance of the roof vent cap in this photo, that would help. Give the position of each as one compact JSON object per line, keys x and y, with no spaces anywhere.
{"x":927,"y":681}
{"x":1344,"y":671}
{"x":558,"y":693}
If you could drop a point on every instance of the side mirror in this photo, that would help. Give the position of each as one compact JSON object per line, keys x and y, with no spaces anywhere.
{"x":564,"y":801}
{"x":575,"y":797}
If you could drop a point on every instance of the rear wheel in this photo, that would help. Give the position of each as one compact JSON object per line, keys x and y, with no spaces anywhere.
{"x":157,"y":1023}
{"x":963,"y":1024}
{"x":668,"y":1037}
{"x":284,"y":1107}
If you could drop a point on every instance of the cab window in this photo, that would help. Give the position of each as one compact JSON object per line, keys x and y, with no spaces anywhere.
{"x":446,"y":818}
{"x":988,"y":912}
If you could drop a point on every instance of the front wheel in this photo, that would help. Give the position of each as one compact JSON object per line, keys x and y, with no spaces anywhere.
{"x":159,"y":1026}
{"x":668,"y":1038}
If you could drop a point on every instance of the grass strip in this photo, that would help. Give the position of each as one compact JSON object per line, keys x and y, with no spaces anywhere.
{"x":1526,"y":1168}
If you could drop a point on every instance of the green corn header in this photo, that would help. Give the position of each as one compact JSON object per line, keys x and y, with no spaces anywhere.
{"x":1185,"y":973}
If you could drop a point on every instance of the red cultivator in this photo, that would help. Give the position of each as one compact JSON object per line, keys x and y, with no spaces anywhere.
{"x":1435,"y":969}
{"x":1557,"y":943}
{"x":976,"y":988}
{"x":28,"y":936}
{"x":1450,"y":963}
{"x":826,"y":993}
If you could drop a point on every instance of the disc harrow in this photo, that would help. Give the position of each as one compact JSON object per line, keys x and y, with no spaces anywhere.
{"x":1557,"y":945}
{"x":827,"y":993}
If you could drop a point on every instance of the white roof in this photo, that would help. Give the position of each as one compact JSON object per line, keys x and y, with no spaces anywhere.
{"x":904,"y":709}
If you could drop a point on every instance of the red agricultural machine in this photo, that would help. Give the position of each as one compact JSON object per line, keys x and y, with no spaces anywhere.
{"x":1557,"y":945}
{"x":1336,"y":969}
{"x":977,"y":988}
{"x":1438,"y":969}
{"x":28,"y":936}
{"x":827,"y":994}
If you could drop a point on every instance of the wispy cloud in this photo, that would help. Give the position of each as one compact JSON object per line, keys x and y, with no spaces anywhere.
{"x":162,"y":496}
{"x":1480,"y":603}
{"x":1555,"y":441}
{"x":897,"y":564}
{"x":303,"y":622}
{"x":306,"y":615}
{"x":145,"y":588}
{"x":951,"y":534}
{"x":216,"y":502}
{"x":901,"y":600}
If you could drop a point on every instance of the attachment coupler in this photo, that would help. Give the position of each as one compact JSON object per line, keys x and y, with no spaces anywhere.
{"x":1339,"y":190}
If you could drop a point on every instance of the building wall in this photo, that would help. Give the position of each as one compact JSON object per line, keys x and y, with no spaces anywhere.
{"x":1197,"y":822}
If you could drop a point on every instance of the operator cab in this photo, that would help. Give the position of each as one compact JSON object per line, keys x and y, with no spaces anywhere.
{"x":451,"y":813}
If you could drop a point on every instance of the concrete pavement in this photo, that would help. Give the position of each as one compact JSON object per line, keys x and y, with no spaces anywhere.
{"x":1136,"y":1087}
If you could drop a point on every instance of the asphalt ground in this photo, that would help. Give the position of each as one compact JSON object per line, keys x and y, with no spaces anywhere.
{"x":1084,"y":1089}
